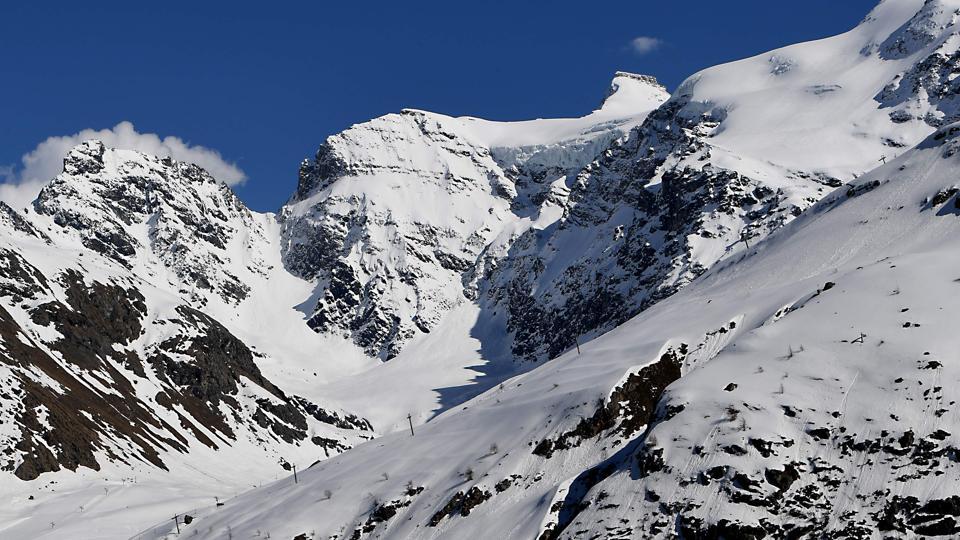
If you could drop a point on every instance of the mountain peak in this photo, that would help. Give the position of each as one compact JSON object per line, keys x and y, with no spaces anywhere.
{"x":627,"y":89}
{"x":132,"y":207}
{"x":85,"y":158}
{"x":110,"y":171}
{"x":641,"y":77}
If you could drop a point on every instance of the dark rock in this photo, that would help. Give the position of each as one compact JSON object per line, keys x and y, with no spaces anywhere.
{"x":782,"y":480}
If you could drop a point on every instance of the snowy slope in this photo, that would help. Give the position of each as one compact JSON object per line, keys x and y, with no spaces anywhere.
{"x":782,"y":421}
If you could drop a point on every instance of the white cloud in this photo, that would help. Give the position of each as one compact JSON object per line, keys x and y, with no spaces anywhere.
{"x":645,"y":44}
{"x":21,"y":185}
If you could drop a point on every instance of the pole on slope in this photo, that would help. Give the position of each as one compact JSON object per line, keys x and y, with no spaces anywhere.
{"x":295,"y":481}
{"x":576,"y":339}
{"x":410,"y":421}
{"x":176,"y":520}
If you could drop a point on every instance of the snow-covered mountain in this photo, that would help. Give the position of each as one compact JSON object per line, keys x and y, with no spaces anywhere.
{"x":677,"y":316}
{"x":128,"y":342}
{"x":807,"y":395}
{"x":393,"y":216}
{"x":736,"y":152}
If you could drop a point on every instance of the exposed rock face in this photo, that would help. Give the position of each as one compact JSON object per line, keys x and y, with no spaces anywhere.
{"x":927,"y":91}
{"x":630,"y":408}
{"x":93,"y":325}
{"x":366,"y":225}
{"x":81,"y":422}
{"x":924,"y":28}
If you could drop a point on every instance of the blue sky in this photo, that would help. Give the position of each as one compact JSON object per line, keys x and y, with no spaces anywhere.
{"x":265,"y":83}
